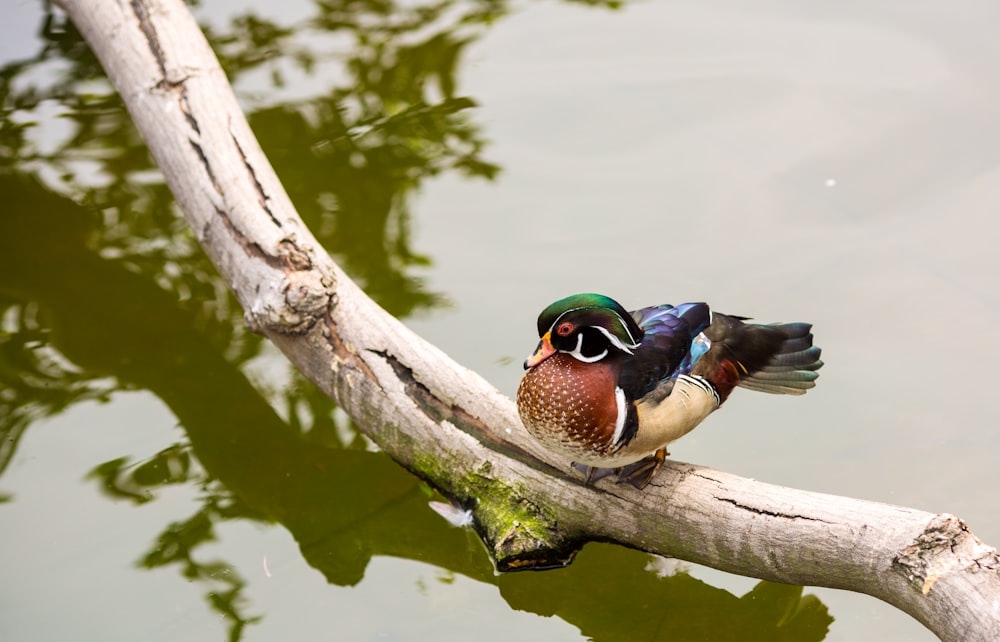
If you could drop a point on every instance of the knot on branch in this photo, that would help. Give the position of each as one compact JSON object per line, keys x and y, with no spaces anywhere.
{"x":294,"y":303}
{"x":946,"y":546}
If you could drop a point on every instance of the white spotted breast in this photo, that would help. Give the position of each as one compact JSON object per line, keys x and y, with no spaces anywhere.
{"x":571,"y":407}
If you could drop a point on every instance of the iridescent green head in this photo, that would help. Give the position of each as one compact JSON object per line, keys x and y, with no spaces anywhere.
{"x":586,"y":326}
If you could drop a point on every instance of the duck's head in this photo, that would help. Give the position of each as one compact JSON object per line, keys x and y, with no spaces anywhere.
{"x":588,"y":327}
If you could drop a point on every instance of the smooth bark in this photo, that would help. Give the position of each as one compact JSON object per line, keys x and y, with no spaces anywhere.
{"x":449,"y":426}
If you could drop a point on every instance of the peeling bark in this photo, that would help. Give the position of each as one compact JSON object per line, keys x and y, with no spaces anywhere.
{"x":447,"y":425}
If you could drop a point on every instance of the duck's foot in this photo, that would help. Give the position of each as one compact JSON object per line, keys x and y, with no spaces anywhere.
{"x":642,"y":472}
{"x":593,"y":473}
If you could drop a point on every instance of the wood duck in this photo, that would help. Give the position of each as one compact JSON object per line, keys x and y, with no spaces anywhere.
{"x":610,"y":389}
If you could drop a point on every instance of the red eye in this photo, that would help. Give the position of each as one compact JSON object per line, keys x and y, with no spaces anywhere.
{"x":564,"y":329}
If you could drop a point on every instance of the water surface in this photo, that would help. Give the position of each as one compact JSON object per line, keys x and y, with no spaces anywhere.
{"x":165,"y":475}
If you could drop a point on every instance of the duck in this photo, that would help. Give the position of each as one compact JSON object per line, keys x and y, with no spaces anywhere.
{"x":610,"y":389}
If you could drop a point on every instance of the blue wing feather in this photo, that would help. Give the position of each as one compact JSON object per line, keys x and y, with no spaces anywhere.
{"x":668,"y":346}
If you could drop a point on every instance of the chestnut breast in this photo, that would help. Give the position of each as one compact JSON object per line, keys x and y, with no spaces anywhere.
{"x":569,"y":405}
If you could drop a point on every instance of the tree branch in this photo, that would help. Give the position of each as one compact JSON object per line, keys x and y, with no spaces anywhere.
{"x":449,"y":426}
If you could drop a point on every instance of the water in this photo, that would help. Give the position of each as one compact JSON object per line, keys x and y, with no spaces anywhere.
{"x":166,"y":475}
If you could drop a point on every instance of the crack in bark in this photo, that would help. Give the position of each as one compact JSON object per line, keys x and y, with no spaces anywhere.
{"x":252,"y":248}
{"x":988,"y":562}
{"x":768,"y":513}
{"x":341,"y":349}
{"x":149,"y":31}
{"x":208,"y":168}
{"x":608,"y":490}
{"x":439,"y":411}
{"x":186,"y":108}
{"x":262,"y":196}
{"x":294,"y":258}
{"x":434,"y":407}
{"x":706,"y":477}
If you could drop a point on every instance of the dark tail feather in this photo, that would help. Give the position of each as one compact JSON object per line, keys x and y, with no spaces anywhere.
{"x":777,"y":358}
{"x":791,"y":369}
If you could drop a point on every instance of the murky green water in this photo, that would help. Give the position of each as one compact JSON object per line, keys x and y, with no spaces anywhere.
{"x":166,"y":475}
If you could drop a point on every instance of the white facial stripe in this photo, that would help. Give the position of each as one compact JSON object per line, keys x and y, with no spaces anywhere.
{"x":552,"y":328}
{"x":622,"y":414}
{"x":577,"y":352}
{"x":615,"y":340}
{"x":634,"y":344}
